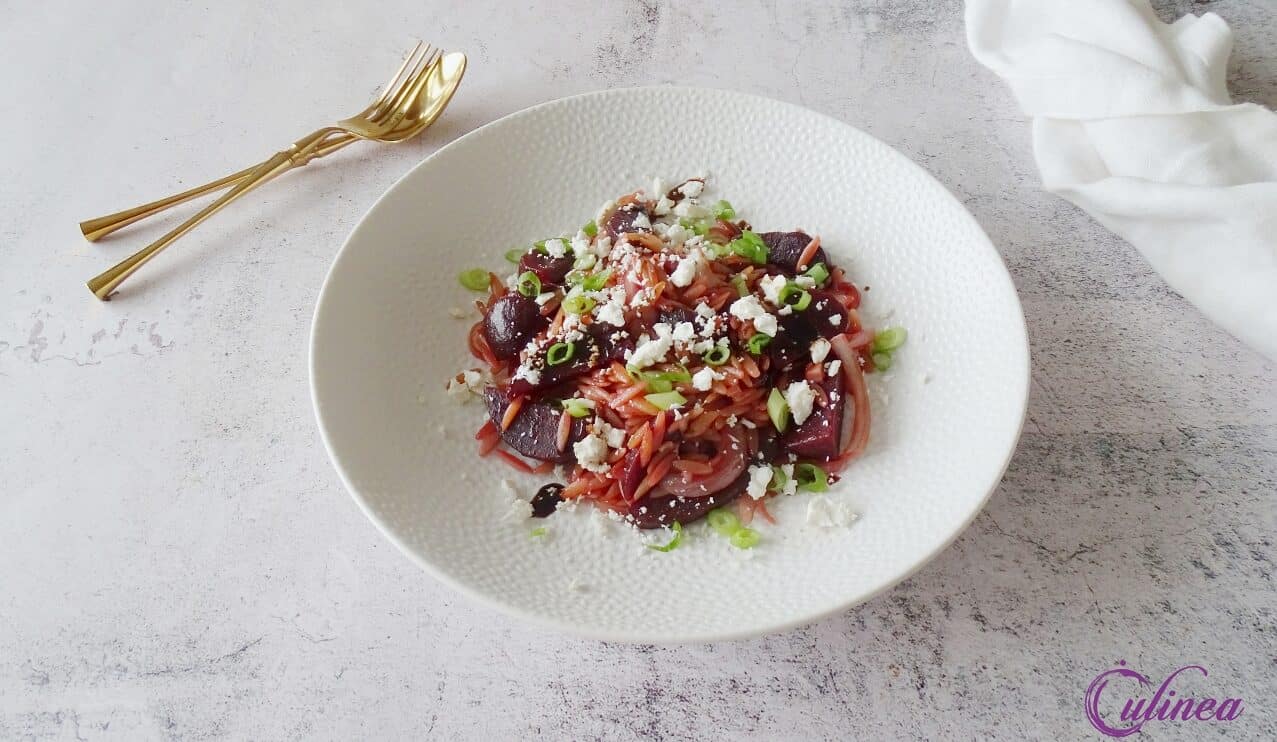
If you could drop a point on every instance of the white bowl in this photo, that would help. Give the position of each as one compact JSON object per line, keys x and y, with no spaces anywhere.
{"x":946,"y":417}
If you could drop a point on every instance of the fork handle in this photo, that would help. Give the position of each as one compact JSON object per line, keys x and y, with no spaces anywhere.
{"x":95,"y":229}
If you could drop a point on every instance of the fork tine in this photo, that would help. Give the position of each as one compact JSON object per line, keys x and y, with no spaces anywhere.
{"x":392,"y":86}
{"x":412,"y":68}
{"x":398,"y":107}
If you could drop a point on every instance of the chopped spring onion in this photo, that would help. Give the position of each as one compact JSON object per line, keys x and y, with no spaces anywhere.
{"x":475,"y":279}
{"x":698,"y":226}
{"x":596,"y":281}
{"x":757,"y":342}
{"x":538,"y":532}
{"x":578,"y":304}
{"x":560,"y":353}
{"x":585,"y":261}
{"x":723,"y":521}
{"x":576,"y":407}
{"x":778,"y":410}
{"x":818,"y":273}
{"x":665,"y":400}
{"x":723,"y":210}
{"x":661,"y":381}
{"x":529,"y":285}
{"x":779,"y":479}
{"x":739,"y":283}
{"x":590,"y":229}
{"x":674,"y":542}
{"x":889,"y":339}
{"x":882,"y":361}
{"x":793,"y":295}
{"x":717,"y":356}
{"x":811,"y":478}
{"x":514,"y":254}
{"x":751,"y":246}
{"x":745,"y":538}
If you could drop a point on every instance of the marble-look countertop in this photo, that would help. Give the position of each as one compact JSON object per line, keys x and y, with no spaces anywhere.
{"x":178,"y":559}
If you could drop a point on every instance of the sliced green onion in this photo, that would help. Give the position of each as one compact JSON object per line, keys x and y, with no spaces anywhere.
{"x":793,"y":295}
{"x":560,"y":353}
{"x":757,"y":342}
{"x":665,"y":400}
{"x":738,"y":281}
{"x":889,"y":339}
{"x":661,"y":381}
{"x":538,"y":532}
{"x":529,"y":285}
{"x":514,"y":254}
{"x":724,"y":521}
{"x":475,"y":279}
{"x":596,"y":281}
{"x":751,"y":246}
{"x":779,"y":479}
{"x":590,"y":229}
{"x":659,"y":386}
{"x":745,"y":538}
{"x":576,"y":407}
{"x":585,"y":261}
{"x":723,"y":210}
{"x":717,"y":356}
{"x":578,"y":304}
{"x":778,"y":410}
{"x":674,"y":542}
{"x":811,"y":478}
{"x":818,"y":273}
{"x":882,"y":361}
{"x":698,"y":226}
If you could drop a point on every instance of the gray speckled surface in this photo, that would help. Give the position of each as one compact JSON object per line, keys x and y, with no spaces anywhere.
{"x":180,"y":561}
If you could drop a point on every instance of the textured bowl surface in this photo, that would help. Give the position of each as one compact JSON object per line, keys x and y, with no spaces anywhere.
{"x":947,"y":415}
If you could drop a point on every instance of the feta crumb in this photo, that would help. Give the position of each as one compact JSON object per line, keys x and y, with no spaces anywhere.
{"x":759,"y":477}
{"x":791,"y":484}
{"x":581,"y":244}
{"x":705,"y":311}
{"x":690,"y":210}
{"x":806,"y":282}
{"x":615,"y":437}
{"x":519,"y":510}
{"x":641,"y":221}
{"x":456,"y":313}
{"x":663,"y":206}
{"x":677,"y":234}
{"x":824,"y":513}
{"x":603,"y":246}
{"x":800,"y":397}
{"x":749,"y":308}
{"x":833,"y":367}
{"x":544,"y":297}
{"x":556,"y":248}
{"x":684,"y":332}
{"x":613,"y":311}
{"x":772,"y":286}
{"x":731,"y":420}
{"x":685,"y":272}
{"x":785,"y":311}
{"x":835,"y":319}
{"x":691,"y":188}
{"x":704,"y":379}
{"x":649,"y":350}
{"x":819,"y":350}
{"x":531,"y":375}
{"x":749,"y":424}
{"x":591,"y":453}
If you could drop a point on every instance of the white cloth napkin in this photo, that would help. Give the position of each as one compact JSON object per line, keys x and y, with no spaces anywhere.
{"x":1133,"y":123}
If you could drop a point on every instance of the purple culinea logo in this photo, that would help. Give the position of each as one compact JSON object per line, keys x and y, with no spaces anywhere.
{"x":1163,"y":706}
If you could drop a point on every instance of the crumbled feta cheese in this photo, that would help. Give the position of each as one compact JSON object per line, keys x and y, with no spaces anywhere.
{"x":772,"y":286}
{"x":652,"y":350}
{"x":835,"y":319}
{"x":702,"y":347}
{"x":613,"y":310}
{"x":731,"y":420}
{"x":641,"y":221}
{"x":684,"y":332}
{"x":531,"y":375}
{"x":704,"y":379}
{"x":677,"y":234}
{"x":800,"y":397}
{"x":705,"y":311}
{"x":749,"y":308}
{"x":465,"y":384}
{"x":748,"y":423}
{"x":519,"y":510}
{"x":603,"y":246}
{"x":685,"y":272}
{"x":615,"y":437}
{"x":690,"y":210}
{"x":581,"y":244}
{"x":556,"y":248}
{"x":791,"y":484}
{"x":819,"y":350}
{"x":806,"y":282}
{"x":591,"y":453}
{"x":692,"y":188}
{"x":759,"y":477}
{"x":544,"y":297}
{"x":833,"y":367}
{"x":457,"y":313}
{"x":663,"y":206}
{"x":825,"y":513}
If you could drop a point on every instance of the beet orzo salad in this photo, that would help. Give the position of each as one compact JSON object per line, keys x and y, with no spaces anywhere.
{"x":671,"y":363}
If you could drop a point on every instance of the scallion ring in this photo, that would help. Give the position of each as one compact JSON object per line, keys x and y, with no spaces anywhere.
{"x":590,"y":229}
{"x":889,"y":339}
{"x":560,"y":353}
{"x":576,"y":407}
{"x":818,"y":273}
{"x":514,"y":254}
{"x":674,"y":542}
{"x":723,"y":521}
{"x":717,"y":356}
{"x":882,"y":361}
{"x":578,"y":304}
{"x":778,"y":410}
{"x":793,"y":295}
{"x":475,"y":279}
{"x":529,"y":284}
{"x":757,"y":342}
{"x":723,"y":210}
{"x":665,"y":400}
{"x":811,"y":478}
{"x":745,"y":538}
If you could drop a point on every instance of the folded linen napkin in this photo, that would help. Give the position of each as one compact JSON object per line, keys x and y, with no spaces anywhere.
{"x":1133,"y":123}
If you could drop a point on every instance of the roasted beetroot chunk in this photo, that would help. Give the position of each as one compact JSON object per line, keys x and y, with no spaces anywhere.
{"x":622,"y":221}
{"x":826,"y":314}
{"x":510,"y":323}
{"x":535,"y":431}
{"x":595,"y":349}
{"x":819,"y":435}
{"x":657,"y":512}
{"x":784,"y":249}
{"x":551,"y":271}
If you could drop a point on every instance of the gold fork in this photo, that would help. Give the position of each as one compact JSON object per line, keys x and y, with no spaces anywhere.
{"x":399,"y":113}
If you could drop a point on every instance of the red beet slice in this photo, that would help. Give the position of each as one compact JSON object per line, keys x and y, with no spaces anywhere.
{"x":818,"y":436}
{"x":657,"y":512}
{"x":784,"y":249}
{"x":595,"y":349}
{"x":825,"y":307}
{"x":631,"y":474}
{"x":622,"y":220}
{"x":535,"y":431}
{"x":510,"y":323}
{"x":551,"y":271}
